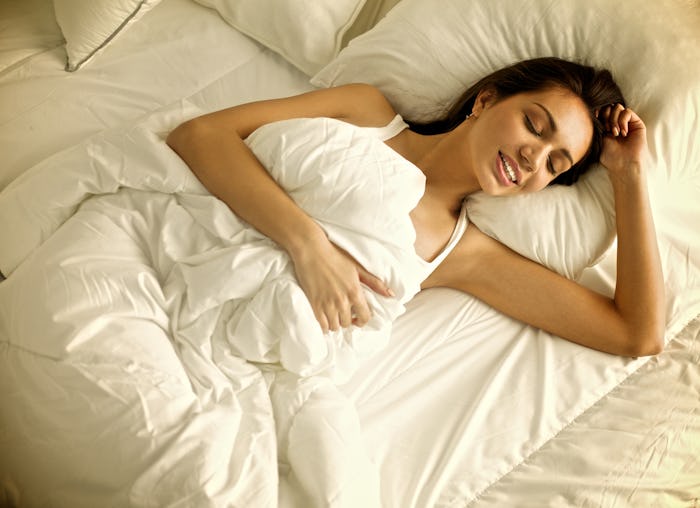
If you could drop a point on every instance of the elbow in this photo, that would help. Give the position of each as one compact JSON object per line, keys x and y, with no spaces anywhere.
{"x":192,"y":142}
{"x":647,"y":348}
{"x":644,"y":333}
{"x":645,"y":342}
{"x":183,"y":136}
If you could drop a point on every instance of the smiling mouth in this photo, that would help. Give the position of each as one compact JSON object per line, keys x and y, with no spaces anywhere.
{"x":510,"y":172}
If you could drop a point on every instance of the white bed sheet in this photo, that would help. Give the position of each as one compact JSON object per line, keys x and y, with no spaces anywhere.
{"x":27,"y":28}
{"x":505,"y":415}
{"x":175,"y":51}
{"x":638,"y":446}
{"x":465,"y":407}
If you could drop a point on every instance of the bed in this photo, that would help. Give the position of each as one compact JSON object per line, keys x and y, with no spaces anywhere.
{"x":114,"y":393}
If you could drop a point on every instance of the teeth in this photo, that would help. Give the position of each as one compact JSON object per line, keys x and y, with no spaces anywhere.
{"x":509,"y":170}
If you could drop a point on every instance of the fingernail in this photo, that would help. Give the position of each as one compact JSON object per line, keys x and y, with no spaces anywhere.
{"x":390,"y":292}
{"x":616,"y":131}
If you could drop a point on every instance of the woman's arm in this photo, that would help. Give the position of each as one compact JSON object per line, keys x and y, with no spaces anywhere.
{"x":212,"y":146}
{"x":630,"y":324}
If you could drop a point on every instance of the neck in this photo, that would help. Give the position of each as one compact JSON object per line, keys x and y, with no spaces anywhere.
{"x":442,"y":159}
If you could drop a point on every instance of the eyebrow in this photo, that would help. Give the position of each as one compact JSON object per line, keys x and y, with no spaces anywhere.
{"x":553,"y":126}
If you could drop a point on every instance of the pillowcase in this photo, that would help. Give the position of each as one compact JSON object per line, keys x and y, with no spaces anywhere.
{"x":28,"y":28}
{"x":373,"y":11}
{"x":565,"y":228}
{"x":89,"y":25}
{"x":307,"y":33}
{"x":423,"y":57}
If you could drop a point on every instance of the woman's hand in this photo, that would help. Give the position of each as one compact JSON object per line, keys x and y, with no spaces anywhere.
{"x":332,"y":281}
{"x":625,"y":142}
{"x":213,"y":147}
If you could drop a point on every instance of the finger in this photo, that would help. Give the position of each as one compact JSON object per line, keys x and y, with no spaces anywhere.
{"x":345,"y":316}
{"x":624,"y":121}
{"x":614,"y":119}
{"x":322,"y":320}
{"x":374,"y":283}
{"x":362,"y":313}
{"x":333,"y":319}
{"x":603,"y":113}
{"x":634,"y":117}
{"x":604,"y":116}
{"x":634,"y":122}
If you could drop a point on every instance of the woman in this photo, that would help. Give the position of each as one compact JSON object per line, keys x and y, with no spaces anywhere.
{"x":518,"y":130}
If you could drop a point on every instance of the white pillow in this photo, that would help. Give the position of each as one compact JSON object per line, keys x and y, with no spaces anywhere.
{"x":565,"y":228}
{"x":89,"y":25}
{"x":424,"y":54}
{"x":373,"y":11}
{"x":307,"y":33}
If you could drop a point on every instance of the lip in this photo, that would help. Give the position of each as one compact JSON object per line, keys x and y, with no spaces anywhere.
{"x":503,"y":176}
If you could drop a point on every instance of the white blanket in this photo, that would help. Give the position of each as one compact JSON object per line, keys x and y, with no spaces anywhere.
{"x":183,"y":329}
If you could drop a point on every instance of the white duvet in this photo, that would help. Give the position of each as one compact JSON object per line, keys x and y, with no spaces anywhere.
{"x":174,"y":358}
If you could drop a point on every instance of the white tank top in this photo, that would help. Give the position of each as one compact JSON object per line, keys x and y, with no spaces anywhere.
{"x":390,"y":130}
{"x":387,"y":132}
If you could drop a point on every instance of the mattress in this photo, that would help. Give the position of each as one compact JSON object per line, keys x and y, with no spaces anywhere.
{"x":463,"y":406}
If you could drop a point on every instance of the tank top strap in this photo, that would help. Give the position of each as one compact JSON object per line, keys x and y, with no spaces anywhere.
{"x":457,"y":232}
{"x":396,"y":125}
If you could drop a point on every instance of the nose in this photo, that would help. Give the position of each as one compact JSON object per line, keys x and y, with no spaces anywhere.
{"x":535,"y":156}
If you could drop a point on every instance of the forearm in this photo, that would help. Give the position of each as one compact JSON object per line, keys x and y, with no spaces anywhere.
{"x":639,"y":292}
{"x":212,"y":146}
{"x":230,"y":171}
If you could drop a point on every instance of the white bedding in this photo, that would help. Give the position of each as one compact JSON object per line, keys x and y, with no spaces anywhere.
{"x":462,"y":406}
{"x":175,"y":51}
{"x":225,"y":294}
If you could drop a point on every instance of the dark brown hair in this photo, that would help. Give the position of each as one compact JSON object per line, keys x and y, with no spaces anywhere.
{"x":595,"y":87}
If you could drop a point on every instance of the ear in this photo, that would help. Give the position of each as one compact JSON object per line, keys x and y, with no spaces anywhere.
{"x":484,"y":99}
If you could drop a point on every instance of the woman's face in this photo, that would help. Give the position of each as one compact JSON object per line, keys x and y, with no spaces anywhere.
{"x":521,"y":143}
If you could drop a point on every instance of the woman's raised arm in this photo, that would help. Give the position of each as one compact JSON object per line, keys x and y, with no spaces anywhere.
{"x":212,"y":146}
{"x":630,"y":324}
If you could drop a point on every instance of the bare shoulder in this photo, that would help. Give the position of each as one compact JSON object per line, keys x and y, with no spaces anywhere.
{"x":361,"y":104}
{"x":366,"y":105}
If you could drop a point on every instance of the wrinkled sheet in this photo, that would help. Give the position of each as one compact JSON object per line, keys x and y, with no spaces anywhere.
{"x":176,"y":50}
{"x":158,"y":297}
{"x":525,"y":418}
{"x":638,"y":446}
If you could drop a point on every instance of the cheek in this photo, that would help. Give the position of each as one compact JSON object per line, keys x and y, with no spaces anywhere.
{"x":539,"y":182}
{"x":504,"y":128}
{"x":494,"y":134}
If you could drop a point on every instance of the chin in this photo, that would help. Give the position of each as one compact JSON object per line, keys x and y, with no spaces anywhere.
{"x":497,"y":190}
{"x":489,"y":187}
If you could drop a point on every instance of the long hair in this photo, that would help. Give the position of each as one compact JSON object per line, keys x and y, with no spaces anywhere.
{"x":595,"y":87}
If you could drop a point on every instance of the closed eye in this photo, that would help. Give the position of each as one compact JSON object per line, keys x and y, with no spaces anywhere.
{"x":531,"y":128}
